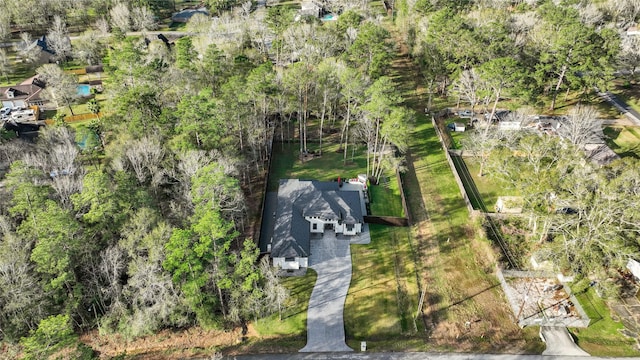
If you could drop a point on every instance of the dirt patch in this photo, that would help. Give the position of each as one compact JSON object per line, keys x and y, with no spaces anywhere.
{"x":166,"y":344}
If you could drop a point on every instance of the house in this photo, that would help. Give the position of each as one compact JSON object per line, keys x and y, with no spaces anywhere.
{"x":306,"y":207}
{"x":633,"y":31}
{"x":28,"y":93}
{"x":45,"y":53}
{"x":186,"y":14}
{"x":634,"y":267}
{"x":310,"y":8}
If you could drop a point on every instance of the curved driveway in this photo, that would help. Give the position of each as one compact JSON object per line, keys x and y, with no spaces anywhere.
{"x":331,"y":259}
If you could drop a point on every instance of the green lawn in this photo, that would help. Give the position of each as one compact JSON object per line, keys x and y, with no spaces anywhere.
{"x":385,"y":200}
{"x":602,"y":337}
{"x":383,"y":296}
{"x":19,"y":70}
{"x":489,"y":187}
{"x":294,"y":314}
{"x":625,"y":141}
{"x":329,"y":166}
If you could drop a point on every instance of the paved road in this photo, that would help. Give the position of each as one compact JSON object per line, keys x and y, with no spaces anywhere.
{"x":623,"y":107}
{"x":560,"y":342}
{"x":331,"y":259}
{"x":412,"y":356}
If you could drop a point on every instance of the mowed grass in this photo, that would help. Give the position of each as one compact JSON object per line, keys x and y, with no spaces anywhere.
{"x":294,"y":313}
{"x":383,"y":297}
{"x":625,"y":141}
{"x":288,"y":165}
{"x":457,"y":261}
{"x":386,"y":200}
{"x":489,"y":187}
{"x":602,"y":337}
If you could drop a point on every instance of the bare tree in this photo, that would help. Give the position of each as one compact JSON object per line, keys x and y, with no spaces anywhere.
{"x":145,"y":157}
{"x":58,"y":39}
{"x":27,"y":48}
{"x":102,"y":25}
{"x":623,"y":12}
{"x":57,"y":156}
{"x":5,"y":65}
{"x":629,"y":57}
{"x":275,"y":293}
{"x":246,"y":8}
{"x":142,"y":19}
{"x":581,"y":126}
{"x":121,"y":17}
{"x":468,"y":87}
{"x":22,"y":299}
{"x":61,"y":88}
{"x":5,"y":24}
{"x":88,"y":48}
{"x":591,"y":14}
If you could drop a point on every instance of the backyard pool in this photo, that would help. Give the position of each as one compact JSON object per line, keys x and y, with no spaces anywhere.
{"x":329,"y":17}
{"x":83,"y":90}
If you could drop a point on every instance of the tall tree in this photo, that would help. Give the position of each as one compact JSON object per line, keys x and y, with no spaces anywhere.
{"x":58,"y":39}
{"x":61,"y":88}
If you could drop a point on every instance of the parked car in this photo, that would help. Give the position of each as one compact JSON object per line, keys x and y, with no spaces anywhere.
{"x":5,"y":111}
{"x":465,"y":113}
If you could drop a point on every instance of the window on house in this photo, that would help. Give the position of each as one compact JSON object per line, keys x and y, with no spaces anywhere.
{"x":290,"y":259}
{"x":315,"y":226}
{"x":349,"y":227}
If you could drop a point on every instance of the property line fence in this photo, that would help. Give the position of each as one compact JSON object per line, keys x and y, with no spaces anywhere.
{"x":403,"y":197}
{"x":492,"y":228}
{"x":76,"y":118}
{"x":258,"y":229}
{"x":386,"y":220}
{"x":445,"y":148}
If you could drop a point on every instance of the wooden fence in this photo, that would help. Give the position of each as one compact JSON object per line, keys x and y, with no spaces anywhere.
{"x":386,"y":220}
{"x":403,"y":197}
{"x":75,"y":118}
{"x":463,"y":191}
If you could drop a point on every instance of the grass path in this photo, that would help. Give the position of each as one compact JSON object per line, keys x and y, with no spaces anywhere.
{"x":464,"y":308}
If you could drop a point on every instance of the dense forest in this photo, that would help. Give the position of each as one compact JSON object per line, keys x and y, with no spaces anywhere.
{"x":152,"y":228}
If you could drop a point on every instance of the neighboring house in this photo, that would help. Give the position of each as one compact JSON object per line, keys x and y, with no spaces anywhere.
{"x":633,"y":31}
{"x":45,"y":54}
{"x":634,"y":268}
{"x":26,"y":94}
{"x":309,"y":206}
{"x":310,"y":8}
{"x":186,"y":14}
{"x":509,"y":204}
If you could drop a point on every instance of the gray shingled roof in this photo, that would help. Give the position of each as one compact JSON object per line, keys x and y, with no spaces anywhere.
{"x":299,"y":198}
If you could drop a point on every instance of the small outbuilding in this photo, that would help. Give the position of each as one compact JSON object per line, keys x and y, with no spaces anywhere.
{"x":509,"y":204}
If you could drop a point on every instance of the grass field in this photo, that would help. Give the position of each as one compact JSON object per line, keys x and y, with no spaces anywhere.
{"x":625,"y":141}
{"x":602,"y":337}
{"x":288,"y":165}
{"x":489,"y":187}
{"x":292,"y":328}
{"x":455,"y":263}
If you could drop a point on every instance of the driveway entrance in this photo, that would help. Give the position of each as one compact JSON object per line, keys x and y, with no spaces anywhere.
{"x":331,"y":259}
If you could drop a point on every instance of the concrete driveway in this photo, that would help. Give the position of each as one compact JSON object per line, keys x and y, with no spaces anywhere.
{"x":560,"y":342}
{"x":331,"y":259}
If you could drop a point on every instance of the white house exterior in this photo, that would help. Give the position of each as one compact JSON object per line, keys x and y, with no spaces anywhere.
{"x":306,"y":207}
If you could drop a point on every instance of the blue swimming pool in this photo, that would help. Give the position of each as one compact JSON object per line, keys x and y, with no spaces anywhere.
{"x":329,"y":17}
{"x":83,"y":90}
